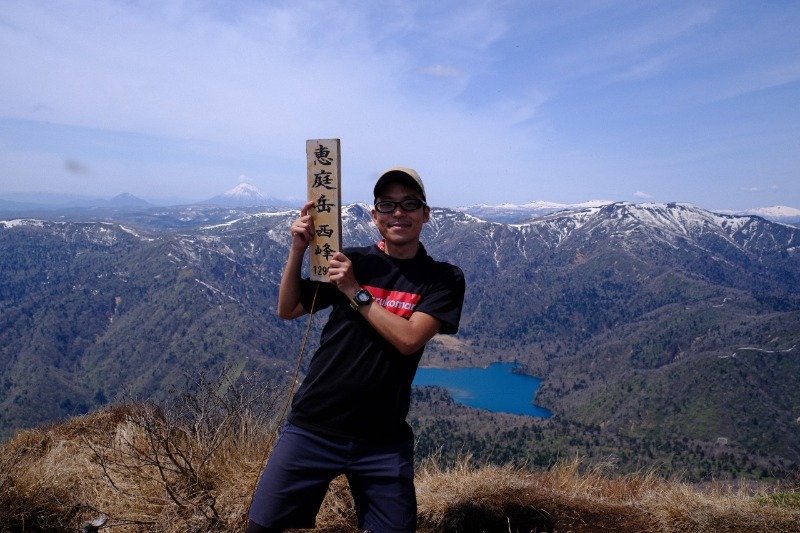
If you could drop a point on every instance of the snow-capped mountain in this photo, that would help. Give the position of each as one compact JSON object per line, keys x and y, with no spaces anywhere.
{"x":776,"y":213}
{"x":699,"y":306}
{"x":517,"y":213}
{"x":244,"y":194}
{"x":520,"y":212}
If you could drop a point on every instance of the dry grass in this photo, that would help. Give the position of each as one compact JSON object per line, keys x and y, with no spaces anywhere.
{"x":575,"y":497}
{"x":193,"y":467}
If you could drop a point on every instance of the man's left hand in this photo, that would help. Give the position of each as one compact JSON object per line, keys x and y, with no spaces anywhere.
{"x":340,"y":273}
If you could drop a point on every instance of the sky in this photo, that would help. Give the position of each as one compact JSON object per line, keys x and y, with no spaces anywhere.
{"x":491,"y":102}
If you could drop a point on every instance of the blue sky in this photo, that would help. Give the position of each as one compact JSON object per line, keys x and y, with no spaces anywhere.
{"x":491,"y":101}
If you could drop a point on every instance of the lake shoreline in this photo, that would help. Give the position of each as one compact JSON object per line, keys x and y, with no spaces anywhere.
{"x":496,"y":387}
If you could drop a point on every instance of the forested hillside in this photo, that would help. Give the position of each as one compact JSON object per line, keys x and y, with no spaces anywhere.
{"x":665,"y":334}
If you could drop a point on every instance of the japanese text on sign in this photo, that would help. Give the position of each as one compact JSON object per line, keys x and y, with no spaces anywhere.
{"x":324,"y":172}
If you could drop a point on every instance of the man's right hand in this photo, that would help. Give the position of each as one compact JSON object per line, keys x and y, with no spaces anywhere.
{"x":289,"y":305}
{"x":303,"y":228}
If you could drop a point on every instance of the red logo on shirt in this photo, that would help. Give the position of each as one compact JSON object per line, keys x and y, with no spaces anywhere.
{"x":399,"y":303}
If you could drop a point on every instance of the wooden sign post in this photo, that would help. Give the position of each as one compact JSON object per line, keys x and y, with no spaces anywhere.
{"x":324,"y":179}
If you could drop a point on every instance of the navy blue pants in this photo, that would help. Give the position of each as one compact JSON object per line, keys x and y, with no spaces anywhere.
{"x":302,"y":465}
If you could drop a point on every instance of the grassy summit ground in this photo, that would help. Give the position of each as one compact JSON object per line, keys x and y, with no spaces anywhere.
{"x":192,"y":465}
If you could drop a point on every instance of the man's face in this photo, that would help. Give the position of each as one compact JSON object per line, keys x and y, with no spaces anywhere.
{"x":400,"y":227}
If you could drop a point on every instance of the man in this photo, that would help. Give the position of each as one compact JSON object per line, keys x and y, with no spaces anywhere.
{"x":348,"y":416}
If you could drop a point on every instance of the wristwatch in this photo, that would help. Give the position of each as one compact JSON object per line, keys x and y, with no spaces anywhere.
{"x":362,"y":297}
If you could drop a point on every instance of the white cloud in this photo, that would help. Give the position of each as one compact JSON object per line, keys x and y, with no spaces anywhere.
{"x":760,"y":189}
{"x":491,"y":100}
{"x":442,"y":71}
{"x":642,"y":195}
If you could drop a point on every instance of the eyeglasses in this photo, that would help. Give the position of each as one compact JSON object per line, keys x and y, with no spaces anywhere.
{"x":388,"y":206}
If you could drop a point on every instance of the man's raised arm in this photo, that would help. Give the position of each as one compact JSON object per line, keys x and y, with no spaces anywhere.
{"x":289,"y":305}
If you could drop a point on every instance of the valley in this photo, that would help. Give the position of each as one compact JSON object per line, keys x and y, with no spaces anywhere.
{"x":660,"y":330}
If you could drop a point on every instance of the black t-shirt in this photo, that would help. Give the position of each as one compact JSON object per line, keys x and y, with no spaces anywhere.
{"x":358,"y":385}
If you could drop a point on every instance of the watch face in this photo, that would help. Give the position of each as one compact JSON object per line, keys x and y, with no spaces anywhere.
{"x":363,"y":296}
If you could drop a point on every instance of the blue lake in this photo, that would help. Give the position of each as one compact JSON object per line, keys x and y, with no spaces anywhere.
{"x":496,"y":388}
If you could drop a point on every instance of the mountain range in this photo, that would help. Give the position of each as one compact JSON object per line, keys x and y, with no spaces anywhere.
{"x":247,"y":195}
{"x":659,"y":321}
{"x":516,"y":213}
{"x":242,"y":195}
